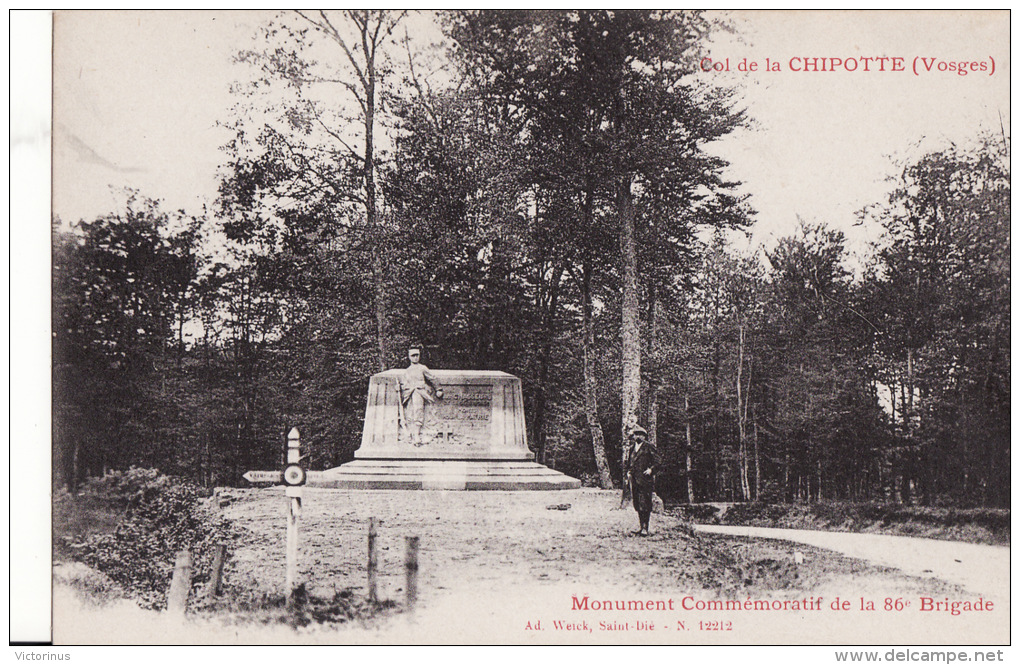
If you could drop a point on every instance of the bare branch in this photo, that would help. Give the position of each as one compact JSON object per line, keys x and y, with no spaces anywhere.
{"x":426,"y":98}
{"x":394,"y":23}
{"x":327,"y":26}
{"x":334,"y":134}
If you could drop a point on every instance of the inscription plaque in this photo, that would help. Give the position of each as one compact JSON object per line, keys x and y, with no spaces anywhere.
{"x":462,"y":418}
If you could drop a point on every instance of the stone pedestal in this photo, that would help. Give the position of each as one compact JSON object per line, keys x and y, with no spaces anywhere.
{"x":472,"y":438}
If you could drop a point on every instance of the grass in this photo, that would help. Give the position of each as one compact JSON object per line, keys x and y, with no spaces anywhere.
{"x":245,"y":606}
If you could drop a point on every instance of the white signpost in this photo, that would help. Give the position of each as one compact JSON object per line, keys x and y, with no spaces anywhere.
{"x":294,"y":475}
{"x":274,"y":477}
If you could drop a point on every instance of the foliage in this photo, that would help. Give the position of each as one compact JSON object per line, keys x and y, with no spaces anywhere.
{"x":124,"y":288}
{"x":502,"y":189}
{"x":164,"y":516}
{"x":941,"y":298}
{"x":981,"y":525}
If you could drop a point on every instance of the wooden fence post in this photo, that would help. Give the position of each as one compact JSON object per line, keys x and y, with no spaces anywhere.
{"x":373,"y":561}
{"x":216,"y":581}
{"x":180,"y":585}
{"x":411,"y":565}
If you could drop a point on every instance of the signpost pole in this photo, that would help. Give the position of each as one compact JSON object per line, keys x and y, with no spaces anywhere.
{"x":293,"y":513}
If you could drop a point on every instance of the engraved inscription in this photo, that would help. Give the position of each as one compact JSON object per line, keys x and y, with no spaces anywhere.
{"x":461,"y":419}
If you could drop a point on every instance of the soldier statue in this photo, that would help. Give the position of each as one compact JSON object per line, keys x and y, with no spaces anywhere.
{"x":418,"y":387}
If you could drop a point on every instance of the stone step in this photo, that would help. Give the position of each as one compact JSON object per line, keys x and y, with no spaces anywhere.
{"x":406,"y":463}
{"x":441,"y":483}
{"x":442,"y":474}
{"x":452,"y":469}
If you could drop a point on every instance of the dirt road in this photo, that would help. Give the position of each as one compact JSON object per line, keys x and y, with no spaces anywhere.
{"x":493,"y":562}
{"x":981,"y":569}
{"x":542,"y":568}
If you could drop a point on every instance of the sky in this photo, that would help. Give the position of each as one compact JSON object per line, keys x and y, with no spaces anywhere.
{"x":824,"y":143}
{"x":138,"y":98}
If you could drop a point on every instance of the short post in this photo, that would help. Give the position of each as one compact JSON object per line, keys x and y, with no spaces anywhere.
{"x":293,"y":513}
{"x":411,"y":565}
{"x":373,"y":561}
{"x":216,"y":581}
{"x":180,"y":586}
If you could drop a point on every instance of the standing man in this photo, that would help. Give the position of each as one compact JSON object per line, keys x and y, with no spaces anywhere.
{"x":417,"y":386}
{"x":642,"y":475}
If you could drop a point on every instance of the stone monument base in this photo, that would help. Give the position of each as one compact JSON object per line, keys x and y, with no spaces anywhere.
{"x":422,"y":474}
{"x":472,"y":438}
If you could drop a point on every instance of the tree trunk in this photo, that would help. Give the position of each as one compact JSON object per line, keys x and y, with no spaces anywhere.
{"x":549,"y":320}
{"x":653,"y":420}
{"x":630,"y":325}
{"x":745,"y":488}
{"x":910,"y":391}
{"x":591,"y":411}
{"x":892,"y":403}
{"x":757,"y":460}
{"x":687,"y":464}
{"x":713,"y":444}
{"x":75,"y":466}
{"x":653,"y":380}
{"x":371,"y":34}
{"x":818,"y":485}
{"x":786,"y":474}
{"x":371,"y":212}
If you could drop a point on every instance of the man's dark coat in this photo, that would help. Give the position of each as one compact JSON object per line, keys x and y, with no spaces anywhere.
{"x":641,"y":485}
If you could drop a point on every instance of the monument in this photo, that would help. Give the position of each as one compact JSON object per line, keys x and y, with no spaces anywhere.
{"x":444,"y":429}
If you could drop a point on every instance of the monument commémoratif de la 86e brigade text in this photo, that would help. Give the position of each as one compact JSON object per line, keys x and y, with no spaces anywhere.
{"x":456,"y":429}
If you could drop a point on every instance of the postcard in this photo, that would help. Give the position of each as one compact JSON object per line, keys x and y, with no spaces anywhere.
{"x":614,"y":327}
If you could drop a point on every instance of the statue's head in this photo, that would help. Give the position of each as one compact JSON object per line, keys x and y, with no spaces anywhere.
{"x":414,"y":353}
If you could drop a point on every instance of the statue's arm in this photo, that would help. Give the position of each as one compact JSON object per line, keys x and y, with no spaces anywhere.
{"x":431,"y":379}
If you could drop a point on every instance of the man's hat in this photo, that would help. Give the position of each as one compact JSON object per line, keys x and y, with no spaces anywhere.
{"x":414,"y":347}
{"x":638,"y":429}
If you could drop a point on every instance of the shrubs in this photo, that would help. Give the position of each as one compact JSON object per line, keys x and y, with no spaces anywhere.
{"x":699,"y":513}
{"x":158,"y":516}
{"x":980,"y":525}
{"x":163,"y":516}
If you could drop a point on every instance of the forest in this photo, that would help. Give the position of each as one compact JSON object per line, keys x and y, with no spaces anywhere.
{"x":538,"y":196}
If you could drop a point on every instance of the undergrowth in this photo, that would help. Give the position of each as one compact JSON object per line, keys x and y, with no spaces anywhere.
{"x":304,"y":609}
{"x":975,"y":525}
{"x":130,"y":525}
{"x":159,"y":517}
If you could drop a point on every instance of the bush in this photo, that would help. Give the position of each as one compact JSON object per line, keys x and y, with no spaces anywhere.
{"x":700,"y":513}
{"x":983,"y":525}
{"x":163,"y":516}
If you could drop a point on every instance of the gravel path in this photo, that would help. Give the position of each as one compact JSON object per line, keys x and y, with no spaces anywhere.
{"x":982,"y":569}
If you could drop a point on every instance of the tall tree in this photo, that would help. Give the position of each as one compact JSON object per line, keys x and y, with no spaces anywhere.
{"x":941,"y":298}
{"x":822,"y":391}
{"x":322,"y":149}
{"x":615,"y":115}
{"x":122,"y":286}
